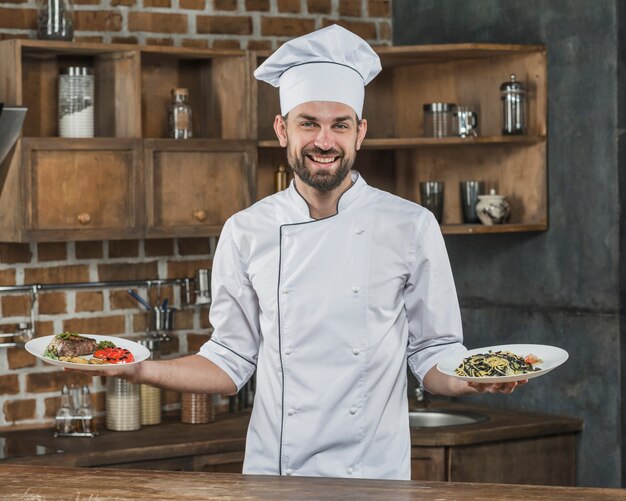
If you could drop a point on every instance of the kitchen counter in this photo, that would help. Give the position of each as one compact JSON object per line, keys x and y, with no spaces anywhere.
{"x":58,"y":483}
{"x":227,"y":434}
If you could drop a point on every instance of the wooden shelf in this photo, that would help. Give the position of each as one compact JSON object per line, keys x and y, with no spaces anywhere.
{"x":478,"y":229}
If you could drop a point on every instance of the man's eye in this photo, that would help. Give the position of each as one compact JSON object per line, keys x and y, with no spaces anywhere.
{"x":341,"y":126}
{"x":307,"y":124}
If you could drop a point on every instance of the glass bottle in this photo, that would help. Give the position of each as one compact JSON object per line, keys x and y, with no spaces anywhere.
{"x":281,"y":178}
{"x":63,"y":421}
{"x":180,"y":115}
{"x":151,"y":395}
{"x":54,"y":20}
{"x":86,"y":420}
{"x":76,"y":102}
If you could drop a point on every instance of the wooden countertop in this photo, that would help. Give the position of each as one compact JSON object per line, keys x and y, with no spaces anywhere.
{"x":57,"y":483}
{"x":227,"y":434}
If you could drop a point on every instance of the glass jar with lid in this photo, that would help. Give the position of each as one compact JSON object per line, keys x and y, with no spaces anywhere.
{"x":55,"y":20}
{"x":513,"y":94}
{"x":150,"y":396}
{"x":123,"y":405}
{"x":180,"y":115}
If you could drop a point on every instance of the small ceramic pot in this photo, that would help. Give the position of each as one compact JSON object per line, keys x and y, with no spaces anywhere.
{"x":493,"y":209}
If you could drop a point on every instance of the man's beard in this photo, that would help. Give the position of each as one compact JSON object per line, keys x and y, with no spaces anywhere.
{"x":322,"y":180}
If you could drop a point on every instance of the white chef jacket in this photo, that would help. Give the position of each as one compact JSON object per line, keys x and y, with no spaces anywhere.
{"x":327,"y":312}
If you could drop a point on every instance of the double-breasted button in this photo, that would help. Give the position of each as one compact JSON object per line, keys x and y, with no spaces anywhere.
{"x":289,"y":471}
{"x":356,"y":289}
{"x":359,"y":231}
{"x":353,"y":410}
{"x":291,"y":412}
{"x":287,"y":351}
{"x":349,"y":470}
{"x":285,"y":290}
{"x":355,"y":351}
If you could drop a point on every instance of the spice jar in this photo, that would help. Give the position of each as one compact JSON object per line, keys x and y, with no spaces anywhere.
{"x":123,"y":405}
{"x":54,"y":20}
{"x":180,"y":115}
{"x":76,"y":102}
{"x":150,"y":396}
{"x":281,"y":178}
{"x":197,"y":408}
{"x":513,"y":96}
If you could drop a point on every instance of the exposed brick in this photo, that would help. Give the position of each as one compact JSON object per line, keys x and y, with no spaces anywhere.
{"x":52,"y":251}
{"x":156,"y":296}
{"x":194,"y":43}
{"x":159,"y":247}
{"x":121,"y":300}
{"x":18,"y":18}
{"x":91,"y":39}
{"x":14,"y":1}
{"x":140,"y":321}
{"x":7,"y":277}
{"x":89,"y":249}
{"x":186,"y":269}
{"x":350,"y":8}
{"x":191,"y":246}
{"x":223,"y":25}
{"x":192,"y":4}
{"x":52,"y":303}
{"x":170,"y":346}
{"x":11,"y":36}
{"x":9,"y":384}
{"x":15,"y":305}
{"x":226,"y":44}
{"x":385,"y":31}
{"x":319,"y":6}
{"x":89,"y":301}
{"x":97,"y":20}
{"x":125,"y":3}
{"x":19,"y":410}
{"x":365,"y":30}
{"x":130,"y":40}
{"x":258,"y":5}
{"x":183,"y":319}
{"x":157,"y":3}
{"x":292,"y":6}
{"x":43,"y":382}
{"x":15,"y":253}
{"x":159,"y":41}
{"x":44,"y":328}
{"x":127,"y":271}
{"x":195,"y":341}
{"x":87,"y":2}
{"x":225,"y":4}
{"x":156,"y":22}
{"x":51,"y":406}
{"x":379,"y":8}
{"x":123,"y":248}
{"x":19,"y":358}
{"x":204,"y":318}
{"x":98,"y":325}
{"x":259,"y":45}
{"x":286,"y":26}
{"x":57,"y":274}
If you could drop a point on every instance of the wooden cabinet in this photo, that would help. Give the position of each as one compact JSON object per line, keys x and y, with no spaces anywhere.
{"x":549,"y":460}
{"x":396,"y":156}
{"x":130,"y":180}
{"x":226,"y":462}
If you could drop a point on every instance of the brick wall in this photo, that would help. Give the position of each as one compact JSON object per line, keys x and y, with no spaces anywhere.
{"x":29,"y":390}
{"x":246,"y":24}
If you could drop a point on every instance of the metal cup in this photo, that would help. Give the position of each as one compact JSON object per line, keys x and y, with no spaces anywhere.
{"x":466,"y":121}
{"x":203,"y":286}
{"x":161,"y":319}
{"x":469,"y":198}
{"x":431,"y":197}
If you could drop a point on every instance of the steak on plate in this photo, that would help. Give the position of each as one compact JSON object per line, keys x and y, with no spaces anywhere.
{"x":72,"y":345}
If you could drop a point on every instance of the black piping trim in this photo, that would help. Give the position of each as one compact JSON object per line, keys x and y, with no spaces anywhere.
{"x":307,"y":204}
{"x":326,"y":62}
{"x":233,"y":351}
{"x":431,"y":346}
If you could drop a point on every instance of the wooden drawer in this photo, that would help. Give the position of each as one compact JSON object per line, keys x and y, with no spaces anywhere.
{"x":82,"y":189}
{"x":428,"y":463}
{"x":193,"y":186}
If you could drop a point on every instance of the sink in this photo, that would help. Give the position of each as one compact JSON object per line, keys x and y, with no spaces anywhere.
{"x":435,"y":418}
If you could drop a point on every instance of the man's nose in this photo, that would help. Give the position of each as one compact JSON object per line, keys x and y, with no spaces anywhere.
{"x":325,"y":139}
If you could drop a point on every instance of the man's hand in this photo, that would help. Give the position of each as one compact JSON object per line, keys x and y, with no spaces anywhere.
{"x":505,"y":388}
{"x":438,"y":383}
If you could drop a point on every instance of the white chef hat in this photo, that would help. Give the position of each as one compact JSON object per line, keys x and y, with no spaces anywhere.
{"x":331,"y":64}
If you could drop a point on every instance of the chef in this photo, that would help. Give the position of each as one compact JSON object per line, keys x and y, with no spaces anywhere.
{"x":326,"y":290}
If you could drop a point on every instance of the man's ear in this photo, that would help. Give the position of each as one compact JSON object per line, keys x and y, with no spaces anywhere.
{"x":360,"y":134}
{"x":280,"y":128}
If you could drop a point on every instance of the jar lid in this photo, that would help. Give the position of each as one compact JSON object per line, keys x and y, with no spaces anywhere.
{"x":180,"y":91}
{"x":76,"y":71}
{"x":439,"y":106}
{"x":512,"y":85}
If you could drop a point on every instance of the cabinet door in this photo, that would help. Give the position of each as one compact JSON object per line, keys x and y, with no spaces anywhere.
{"x":193,"y":186}
{"x":428,"y":463}
{"x":226,"y":462}
{"x":82,"y":189}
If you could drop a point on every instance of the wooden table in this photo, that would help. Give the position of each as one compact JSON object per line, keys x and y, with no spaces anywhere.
{"x":61,"y":483}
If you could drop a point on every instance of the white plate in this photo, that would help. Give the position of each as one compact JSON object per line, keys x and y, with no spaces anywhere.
{"x":38,"y":345}
{"x":551,"y":357}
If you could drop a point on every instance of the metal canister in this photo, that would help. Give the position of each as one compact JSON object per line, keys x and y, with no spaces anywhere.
{"x":438,"y":119}
{"x":513,"y":96}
